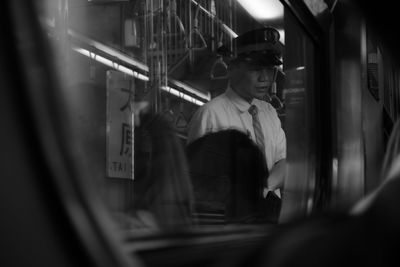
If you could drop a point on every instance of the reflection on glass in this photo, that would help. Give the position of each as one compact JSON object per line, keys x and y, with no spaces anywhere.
{"x":300,"y":120}
{"x":179,"y":107}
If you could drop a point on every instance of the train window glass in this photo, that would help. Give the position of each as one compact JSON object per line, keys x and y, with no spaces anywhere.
{"x":299,"y":94}
{"x":138,"y":75}
{"x":299,"y":97}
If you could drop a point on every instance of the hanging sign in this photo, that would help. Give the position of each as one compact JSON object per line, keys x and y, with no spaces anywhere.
{"x":120,"y":125}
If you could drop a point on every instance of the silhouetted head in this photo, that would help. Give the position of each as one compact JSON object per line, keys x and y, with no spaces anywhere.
{"x":228,"y":172}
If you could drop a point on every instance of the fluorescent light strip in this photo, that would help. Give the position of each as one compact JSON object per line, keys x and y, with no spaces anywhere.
{"x":110,"y":63}
{"x":106,"y":49}
{"x":190,"y":89}
{"x":135,"y":74}
{"x":109,"y":51}
{"x":182,"y":95}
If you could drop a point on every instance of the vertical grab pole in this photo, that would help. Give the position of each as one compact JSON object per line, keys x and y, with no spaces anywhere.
{"x":190,"y":37}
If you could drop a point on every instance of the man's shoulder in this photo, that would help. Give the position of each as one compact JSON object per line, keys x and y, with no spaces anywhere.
{"x":205,"y":118}
{"x":216,"y":103}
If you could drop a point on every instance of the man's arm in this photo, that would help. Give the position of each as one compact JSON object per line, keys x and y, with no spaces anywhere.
{"x":277,"y":175}
{"x":199,"y":125}
{"x":278,"y":171}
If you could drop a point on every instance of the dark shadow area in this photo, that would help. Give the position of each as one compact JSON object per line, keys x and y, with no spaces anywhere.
{"x":228,"y":172}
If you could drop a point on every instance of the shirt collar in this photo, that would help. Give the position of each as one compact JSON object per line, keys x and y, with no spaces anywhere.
{"x":238,"y":101}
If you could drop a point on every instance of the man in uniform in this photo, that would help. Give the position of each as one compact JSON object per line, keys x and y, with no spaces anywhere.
{"x":251,"y":74}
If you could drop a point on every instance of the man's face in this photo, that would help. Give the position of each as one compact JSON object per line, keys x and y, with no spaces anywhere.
{"x":250,"y":81}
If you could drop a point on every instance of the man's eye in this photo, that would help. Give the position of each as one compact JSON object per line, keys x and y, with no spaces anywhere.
{"x":255,"y":69}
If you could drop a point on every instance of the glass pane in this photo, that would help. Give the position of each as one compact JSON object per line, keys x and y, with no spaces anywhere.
{"x":160,"y":97}
{"x":300,"y":124}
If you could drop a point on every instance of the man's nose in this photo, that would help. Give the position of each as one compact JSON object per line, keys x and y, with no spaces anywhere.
{"x":262,"y":76}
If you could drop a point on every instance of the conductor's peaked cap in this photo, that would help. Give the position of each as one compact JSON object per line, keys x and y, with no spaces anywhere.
{"x":259,"y":46}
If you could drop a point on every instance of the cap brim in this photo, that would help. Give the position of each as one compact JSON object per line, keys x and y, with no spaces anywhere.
{"x":259,"y":59}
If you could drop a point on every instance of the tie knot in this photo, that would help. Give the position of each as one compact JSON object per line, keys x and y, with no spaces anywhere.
{"x":253,"y":110}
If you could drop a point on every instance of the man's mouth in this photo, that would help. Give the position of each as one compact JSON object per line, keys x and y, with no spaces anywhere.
{"x":261,"y":88}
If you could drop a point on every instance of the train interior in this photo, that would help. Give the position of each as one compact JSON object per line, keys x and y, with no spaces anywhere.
{"x":97,"y":103}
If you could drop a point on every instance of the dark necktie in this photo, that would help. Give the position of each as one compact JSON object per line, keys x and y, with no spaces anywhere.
{"x":257,"y":128}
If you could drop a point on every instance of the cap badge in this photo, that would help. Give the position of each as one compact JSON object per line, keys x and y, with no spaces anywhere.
{"x":270,"y":36}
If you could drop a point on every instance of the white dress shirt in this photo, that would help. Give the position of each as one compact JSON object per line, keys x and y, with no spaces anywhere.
{"x":230,"y":111}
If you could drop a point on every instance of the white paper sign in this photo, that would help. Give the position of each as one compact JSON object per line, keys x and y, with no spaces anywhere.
{"x":120,"y":125}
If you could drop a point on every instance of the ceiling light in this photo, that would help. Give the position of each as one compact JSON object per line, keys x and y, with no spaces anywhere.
{"x":263,"y":9}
